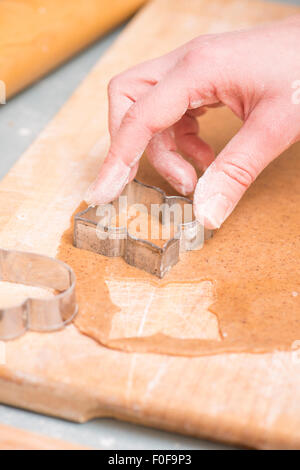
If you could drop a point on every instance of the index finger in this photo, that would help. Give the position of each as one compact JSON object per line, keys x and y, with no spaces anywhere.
{"x":154,"y":112}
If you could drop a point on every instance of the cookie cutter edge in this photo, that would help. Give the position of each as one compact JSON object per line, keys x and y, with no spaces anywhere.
{"x":37,"y":314}
{"x":140,"y":252}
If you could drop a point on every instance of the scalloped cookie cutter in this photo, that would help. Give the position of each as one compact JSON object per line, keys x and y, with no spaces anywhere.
{"x":43,"y":315}
{"x":141,"y":253}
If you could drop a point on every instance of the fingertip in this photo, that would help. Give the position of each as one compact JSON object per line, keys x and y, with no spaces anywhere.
{"x":89,"y":197}
{"x":133,"y":172}
{"x":197,"y":150}
{"x":185,"y":185}
{"x":211,"y":208}
{"x":180,"y":174}
{"x":109,"y":184}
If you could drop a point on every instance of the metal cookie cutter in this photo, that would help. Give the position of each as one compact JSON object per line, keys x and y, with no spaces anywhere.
{"x":42,"y":315}
{"x":89,"y":229}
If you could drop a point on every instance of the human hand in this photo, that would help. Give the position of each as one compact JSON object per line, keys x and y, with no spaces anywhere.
{"x":155,"y":104}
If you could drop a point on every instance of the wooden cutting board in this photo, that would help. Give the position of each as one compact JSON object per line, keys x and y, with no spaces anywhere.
{"x":249,"y":399}
{"x":18,"y":439}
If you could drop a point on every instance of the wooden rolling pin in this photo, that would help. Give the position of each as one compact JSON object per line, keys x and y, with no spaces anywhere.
{"x":37,"y":35}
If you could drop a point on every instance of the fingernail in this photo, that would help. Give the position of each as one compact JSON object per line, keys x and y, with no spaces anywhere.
{"x":109,"y":185}
{"x":136,"y":159}
{"x":196,"y":104}
{"x":181,"y":188}
{"x":213,"y":211}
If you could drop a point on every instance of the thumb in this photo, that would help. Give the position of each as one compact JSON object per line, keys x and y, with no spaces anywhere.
{"x":262,"y":138}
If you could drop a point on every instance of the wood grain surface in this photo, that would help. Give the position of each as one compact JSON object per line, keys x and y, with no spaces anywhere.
{"x":18,"y":439}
